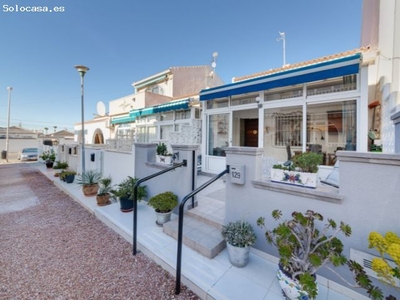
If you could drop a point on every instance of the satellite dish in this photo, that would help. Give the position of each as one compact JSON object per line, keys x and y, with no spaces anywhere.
{"x":101,"y":108}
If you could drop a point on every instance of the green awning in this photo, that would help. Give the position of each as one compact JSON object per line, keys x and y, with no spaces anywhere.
{"x":122,"y":120}
{"x":173,"y":105}
{"x":133,"y":114}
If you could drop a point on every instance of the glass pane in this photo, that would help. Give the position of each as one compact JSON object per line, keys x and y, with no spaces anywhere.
{"x":151,"y":133}
{"x":218,"y":134}
{"x":333,"y":85}
{"x":284,"y":93}
{"x":244,"y":99}
{"x":332,"y":127}
{"x":165,"y":130}
{"x":283,"y":127}
{"x":141,"y":134}
{"x":217,"y":103}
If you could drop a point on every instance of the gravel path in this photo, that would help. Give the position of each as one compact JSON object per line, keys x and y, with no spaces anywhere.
{"x":52,"y":248}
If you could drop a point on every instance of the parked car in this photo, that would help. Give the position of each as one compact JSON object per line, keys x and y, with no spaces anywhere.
{"x":28,"y":154}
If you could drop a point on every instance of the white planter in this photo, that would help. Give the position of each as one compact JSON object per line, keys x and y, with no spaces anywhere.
{"x":163,"y":218}
{"x":238,"y":256}
{"x":290,"y":287}
{"x":294,"y":178}
{"x":164,"y":159}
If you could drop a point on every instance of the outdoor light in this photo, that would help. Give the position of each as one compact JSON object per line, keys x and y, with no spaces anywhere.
{"x":82,"y":71}
{"x":8,"y":120}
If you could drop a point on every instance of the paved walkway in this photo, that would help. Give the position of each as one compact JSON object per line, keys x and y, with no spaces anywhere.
{"x":209,"y":278}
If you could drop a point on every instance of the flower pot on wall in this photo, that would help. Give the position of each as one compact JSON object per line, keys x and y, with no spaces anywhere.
{"x":162,"y":159}
{"x":294,"y":178}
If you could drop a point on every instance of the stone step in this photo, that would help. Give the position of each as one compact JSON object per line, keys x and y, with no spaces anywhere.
{"x":197,"y":235}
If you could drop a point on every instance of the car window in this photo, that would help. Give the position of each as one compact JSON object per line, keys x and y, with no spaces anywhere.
{"x":30,"y":150}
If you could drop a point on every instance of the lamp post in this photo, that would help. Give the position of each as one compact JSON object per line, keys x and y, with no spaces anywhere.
{"x":8,"y":120}
{"x":82,"y":71}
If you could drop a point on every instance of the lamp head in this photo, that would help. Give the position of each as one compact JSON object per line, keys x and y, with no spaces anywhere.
{"x":82,"y":69}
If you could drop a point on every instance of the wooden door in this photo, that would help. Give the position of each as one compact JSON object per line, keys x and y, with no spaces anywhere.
{"x":251,"y":132}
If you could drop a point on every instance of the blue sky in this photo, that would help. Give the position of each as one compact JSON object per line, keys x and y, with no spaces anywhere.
{"x":124,"y":41}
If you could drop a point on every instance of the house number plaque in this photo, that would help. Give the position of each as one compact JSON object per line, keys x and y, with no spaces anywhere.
{"x":237,"y":174}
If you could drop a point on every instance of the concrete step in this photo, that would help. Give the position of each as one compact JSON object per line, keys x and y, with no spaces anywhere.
{"x":197,"y":235}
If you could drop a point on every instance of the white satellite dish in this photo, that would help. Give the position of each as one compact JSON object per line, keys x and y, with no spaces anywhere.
{"x":101,"y":108}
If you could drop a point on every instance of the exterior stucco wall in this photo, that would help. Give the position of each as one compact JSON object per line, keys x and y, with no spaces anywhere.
{"x":177,"y":181}
{"x":367,"y":198}
{"x":191,"y":80}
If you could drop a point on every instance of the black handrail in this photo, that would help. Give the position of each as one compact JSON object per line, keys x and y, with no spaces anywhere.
{"x":135,"y":187}
{"x":180,"y":226}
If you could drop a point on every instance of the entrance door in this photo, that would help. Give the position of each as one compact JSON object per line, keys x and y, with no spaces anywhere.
{"x":251,"y":132}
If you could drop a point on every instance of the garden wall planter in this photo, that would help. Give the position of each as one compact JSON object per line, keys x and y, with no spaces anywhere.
{"x":164,"y":159}
{"x":294,"y":178}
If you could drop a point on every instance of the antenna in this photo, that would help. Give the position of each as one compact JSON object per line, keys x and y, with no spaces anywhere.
{"x":213,"y":64}
{"x":282,"y":38}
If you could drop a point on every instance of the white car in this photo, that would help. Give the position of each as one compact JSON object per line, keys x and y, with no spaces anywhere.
{"x":28,"y":154}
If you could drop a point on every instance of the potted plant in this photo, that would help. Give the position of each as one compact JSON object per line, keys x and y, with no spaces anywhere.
{"x":163,"y":156}
{"x":124,"y":193}
{"x":163,"y":204}
{"x":68,"y":176}
{"x":304,"y":248}
{"x":103,"y":194}
{"x":239,"y":236}
{"x":59,"y":166}
{"x":89,"y":181}
{"x":303,"y":171}
{"x":388,"y":247}
{"x":49,"y":157}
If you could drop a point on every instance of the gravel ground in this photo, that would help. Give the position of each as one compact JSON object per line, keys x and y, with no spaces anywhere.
{"x":52,"y":248}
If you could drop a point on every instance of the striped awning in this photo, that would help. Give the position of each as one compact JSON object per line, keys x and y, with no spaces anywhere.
{"x":133,"y":114}
{"x":328,"y":69}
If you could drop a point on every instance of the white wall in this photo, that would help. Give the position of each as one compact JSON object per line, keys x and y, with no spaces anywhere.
{"x":367,"y":198}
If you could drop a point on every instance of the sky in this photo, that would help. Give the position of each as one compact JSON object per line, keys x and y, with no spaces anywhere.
{"x":124,"y":41}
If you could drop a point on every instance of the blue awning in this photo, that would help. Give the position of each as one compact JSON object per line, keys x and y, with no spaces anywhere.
{"x":328,"y":69}
{"x":173,"y":105}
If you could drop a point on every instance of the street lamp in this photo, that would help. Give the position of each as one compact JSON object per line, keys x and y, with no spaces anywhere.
{"x":82,"y":70}
{"x":8,"y":120}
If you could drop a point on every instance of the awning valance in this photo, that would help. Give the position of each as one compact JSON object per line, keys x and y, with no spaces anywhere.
{"x":173,"y":105}
{"x":329,"y":69}
{"x":133,"y":114}
{"x":122,"y":120}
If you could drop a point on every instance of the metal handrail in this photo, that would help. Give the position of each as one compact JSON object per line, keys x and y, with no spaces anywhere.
{"x":135,"y":187}
{"x":180,"y":226}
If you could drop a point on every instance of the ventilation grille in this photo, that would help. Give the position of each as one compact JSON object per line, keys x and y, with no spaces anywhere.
{"x":365,"y":260}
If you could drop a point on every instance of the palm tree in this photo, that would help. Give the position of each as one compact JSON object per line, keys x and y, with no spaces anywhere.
{"x":45,"y":129}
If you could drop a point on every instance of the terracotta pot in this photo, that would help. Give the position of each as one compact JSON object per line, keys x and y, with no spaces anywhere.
{"x":103,"y":200}
{"x":90,"y":189}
